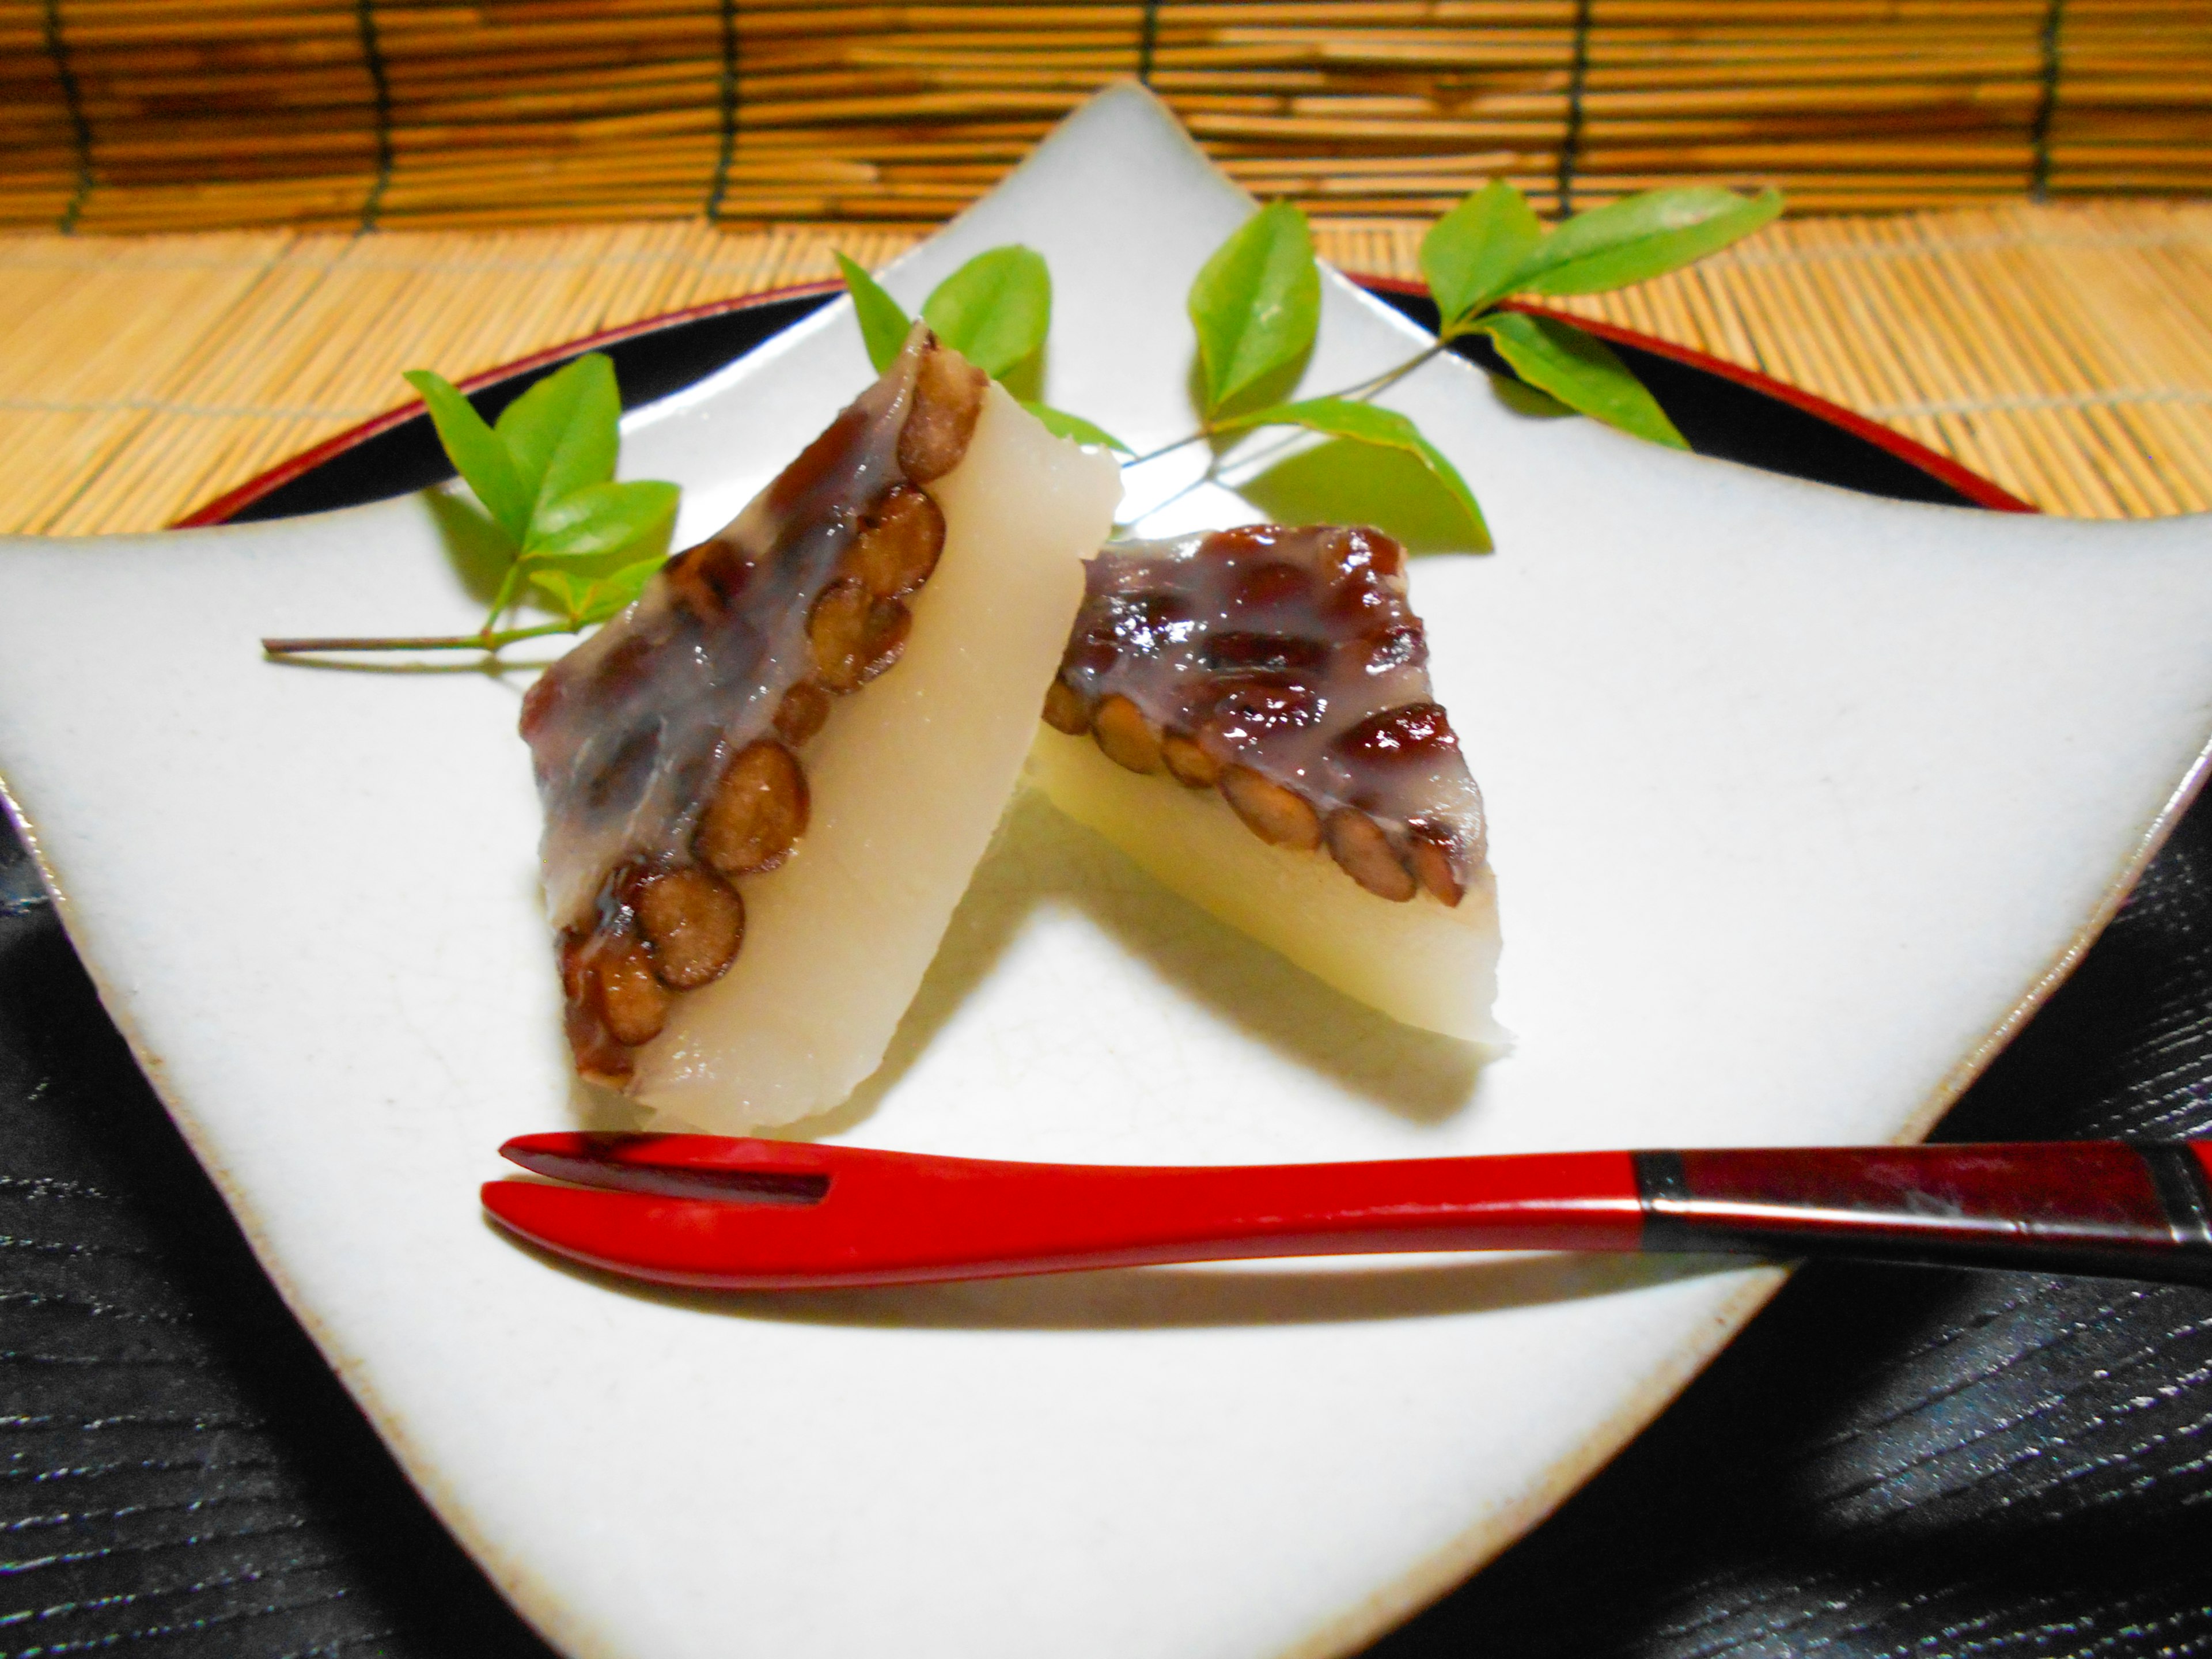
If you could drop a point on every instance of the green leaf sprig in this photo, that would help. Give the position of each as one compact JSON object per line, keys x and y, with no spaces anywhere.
{"x":995,"y":311}
{"x":1491,"y":246}
{"x":544,"y":473}
{"x":1255,"y":305}
{"x":1256,"y":308}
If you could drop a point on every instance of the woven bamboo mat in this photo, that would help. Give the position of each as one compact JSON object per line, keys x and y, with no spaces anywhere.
{"x":2065,"y":351}
{"x":186,"y":115}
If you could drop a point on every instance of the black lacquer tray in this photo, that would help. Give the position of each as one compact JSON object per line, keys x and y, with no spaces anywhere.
{"x":1887,"y":1461}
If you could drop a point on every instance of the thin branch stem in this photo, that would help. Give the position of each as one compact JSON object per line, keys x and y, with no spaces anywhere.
{"x":1362,"y":389}
{"x":1390,"y":377}
{"x":487,"y":641}
{"x":1183,"y":442}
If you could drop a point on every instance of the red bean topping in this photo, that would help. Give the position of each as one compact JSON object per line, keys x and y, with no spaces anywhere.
{"x":540,"y":703}
{"x":1066,"y":709}
{"x":1092,"y":652}
{"x":623,"y":777}
{"x":1251,"y":711}
{"x":855,"y":635}
{"x":1435,"y":855}
{"x":1399,"y":647}
{"x":1276,"y":582}
{"x":948,"y":397}
{"x":599,"y":1055}
{"x":1188,"y":762}
{"x":801,"y":713}
{"x":1412,"y":732}
{"x":1353,"y":549}
{"x":1147,"y":624}
{"x":614,"y":1002}
{"x":624,"y":668}
{"x":706,"y":580}
{"x":757,"y":813}
{"x":693,"y":924}
{"x":1357,"y":606}
{"x":1234,"y":653}
{"x":1363,"y":851}
{"x":1244,"y":539}
{"x":635,"y":1005}
{"x":1120,"y":729}
{"x":818,"y":461}
{"x":1270,"y":810}
{"x":899,"y":543}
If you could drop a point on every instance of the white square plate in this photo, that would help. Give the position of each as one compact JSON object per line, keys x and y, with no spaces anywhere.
{"x":1800,"y":801}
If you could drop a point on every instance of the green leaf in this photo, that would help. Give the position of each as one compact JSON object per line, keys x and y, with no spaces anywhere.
{"x":883,"y":326}
{"x":1256,"y":303}
{"x":1061,"y":424}
{"x":476,"y":452}
{"x":995,"y":310}
{"x":1640,"y":237}
{"x":1581,"y":371}
{"x":620,"y":587}
{"x":1471,"y":254}
{"x":1341,"y":417}
{"x":569,"y":591}
{"x":600,"y":519}
{"x":562,"y":433}
{"x":594,"y":598}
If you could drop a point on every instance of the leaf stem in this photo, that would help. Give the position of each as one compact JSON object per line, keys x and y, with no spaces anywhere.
{"x":486,"y":641}
{"x":505,"y":597}
{"x":1183,"y":442}
{"x":1408,"y":368}
{"x":1362,"y":389}
{"x":1389,"y":377}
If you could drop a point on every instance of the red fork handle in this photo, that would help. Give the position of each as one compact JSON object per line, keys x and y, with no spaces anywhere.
{"x":687,"y":1210}
{"x":2111,"y":1207}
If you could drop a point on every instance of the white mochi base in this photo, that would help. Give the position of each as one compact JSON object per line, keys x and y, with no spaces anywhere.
{"x":1421,"y":962}
{"x":909,"y":778}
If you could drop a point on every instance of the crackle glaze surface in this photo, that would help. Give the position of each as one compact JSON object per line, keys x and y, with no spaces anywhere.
{"x":1796,"y":800}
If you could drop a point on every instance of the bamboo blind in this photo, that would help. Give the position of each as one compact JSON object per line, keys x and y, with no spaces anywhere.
{"x":136,"y":115}
{"x":2065,"y":351}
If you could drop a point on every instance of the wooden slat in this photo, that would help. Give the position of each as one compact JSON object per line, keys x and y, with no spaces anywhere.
{"x":2065,"y":351}
{"x":203,"y":113}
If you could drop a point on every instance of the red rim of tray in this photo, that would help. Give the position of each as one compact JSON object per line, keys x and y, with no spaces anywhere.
{"x":1970,"y":484}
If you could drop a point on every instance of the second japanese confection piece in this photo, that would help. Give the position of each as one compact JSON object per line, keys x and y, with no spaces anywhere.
{"x":767,"y":782}
{"x":1247,"y":715}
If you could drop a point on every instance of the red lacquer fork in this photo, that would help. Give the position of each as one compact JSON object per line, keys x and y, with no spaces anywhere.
{"x":764,"y":1215}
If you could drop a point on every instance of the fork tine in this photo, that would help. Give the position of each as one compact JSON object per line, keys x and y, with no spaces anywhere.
{"x":680,"y":1166}
{"x":671,"y":1241}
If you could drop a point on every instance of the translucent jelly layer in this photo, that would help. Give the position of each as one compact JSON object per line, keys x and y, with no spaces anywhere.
{"x":1420,"y":963}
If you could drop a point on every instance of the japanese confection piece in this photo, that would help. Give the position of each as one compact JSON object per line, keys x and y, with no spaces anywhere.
{"x":766,"y":783}
{"x":1247,"y":715}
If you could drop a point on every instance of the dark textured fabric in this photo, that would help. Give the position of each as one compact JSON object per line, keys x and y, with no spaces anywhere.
{"x":185,"y":1477}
